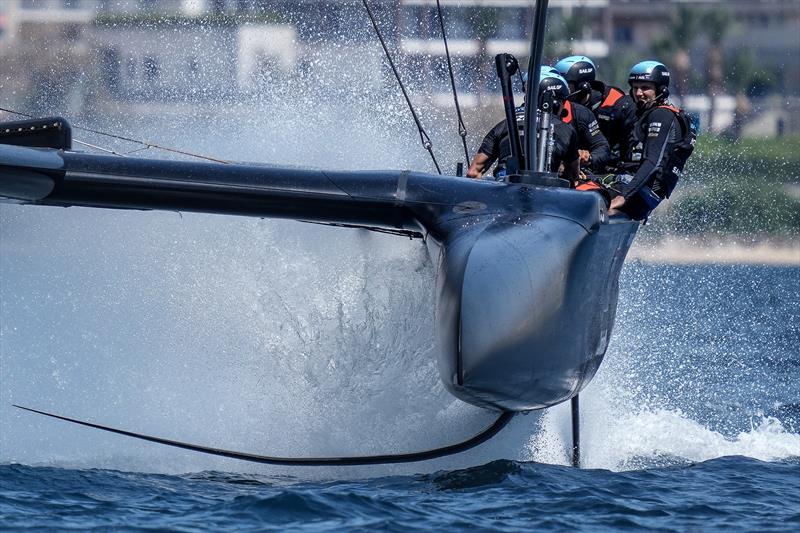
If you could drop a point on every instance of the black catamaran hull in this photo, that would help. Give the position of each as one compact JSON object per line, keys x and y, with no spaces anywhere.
{"x":527,"y":276}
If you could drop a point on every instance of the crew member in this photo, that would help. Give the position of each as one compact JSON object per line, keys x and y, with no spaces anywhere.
{"x":593,"y":148}
{"x":661,"y":141}
{"x":496,"y":146}
{"x":614,"y":110}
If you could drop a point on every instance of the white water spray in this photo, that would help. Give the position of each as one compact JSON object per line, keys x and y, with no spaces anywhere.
{"x":691,"y":374}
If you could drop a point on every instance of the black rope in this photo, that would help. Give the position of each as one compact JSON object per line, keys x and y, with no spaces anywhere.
{"x":462,"y":129}
{"x":410,"y":457}
{"x":426,"y":141}
{"x":146,"y":145}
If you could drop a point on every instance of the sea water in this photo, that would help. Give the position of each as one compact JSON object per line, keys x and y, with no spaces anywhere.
{"x":692,"y":423}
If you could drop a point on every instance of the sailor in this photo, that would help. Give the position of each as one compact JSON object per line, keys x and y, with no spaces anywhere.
{"x":593,"y":148}
{"x":552,"y":94}
{"x":661,"y":141}
{"x":614,"y":110}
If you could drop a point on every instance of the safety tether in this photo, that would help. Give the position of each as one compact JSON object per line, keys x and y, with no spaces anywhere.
{"x":462,"y":129}
{"x":426,"y":141}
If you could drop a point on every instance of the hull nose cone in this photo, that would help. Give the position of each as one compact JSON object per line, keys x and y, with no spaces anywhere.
{"x":535,"y":306}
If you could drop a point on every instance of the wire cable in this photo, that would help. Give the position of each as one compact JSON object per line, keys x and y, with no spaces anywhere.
{"x":462,"y":129}
{"x":145,"y":145}
{"x":426,"y":141}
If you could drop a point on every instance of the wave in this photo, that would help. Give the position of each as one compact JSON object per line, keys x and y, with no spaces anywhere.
{"x":661,"y":437}
{"x":500,"y":495}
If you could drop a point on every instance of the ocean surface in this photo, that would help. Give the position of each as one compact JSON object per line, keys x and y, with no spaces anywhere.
{"x":693,"y":422}
{"x":731,"y":493}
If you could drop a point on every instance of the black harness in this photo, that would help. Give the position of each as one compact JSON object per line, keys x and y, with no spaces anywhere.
{"x":670,"y":170}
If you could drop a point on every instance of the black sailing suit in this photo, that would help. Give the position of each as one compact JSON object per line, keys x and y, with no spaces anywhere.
{"x":497,"y":145}
{"x":590,"y":137}
{"x":661,"y":142}
{"x":616,"y":115}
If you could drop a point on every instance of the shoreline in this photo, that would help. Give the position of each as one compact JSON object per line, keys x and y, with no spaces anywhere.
{"x":699,"y":250}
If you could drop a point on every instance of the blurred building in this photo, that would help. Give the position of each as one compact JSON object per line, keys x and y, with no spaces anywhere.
{"x":19,"y":17}
{"x":44,"y":51}
{"x":195,"y":49}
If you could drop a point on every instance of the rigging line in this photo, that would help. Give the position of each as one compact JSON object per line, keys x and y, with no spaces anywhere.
{"x":487,"y":433}
{"x":462,"y":129}
{"x":136,"y":150}
{"x":90,"y":145}
{"x":401,"y":232}
{"x":426,"y":141}
{"x":333,"y":182}
{"x":128,"y":139}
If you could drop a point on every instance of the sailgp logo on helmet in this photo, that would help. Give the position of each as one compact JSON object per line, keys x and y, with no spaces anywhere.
{"x":576,"y":69}
{"x":552,"y":88}
{"x":653,"y":72}
{"x":550,"y":80}
{"x":649,"y":71}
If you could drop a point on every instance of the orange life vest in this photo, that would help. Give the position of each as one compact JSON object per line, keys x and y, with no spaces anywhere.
{"x":611,"y":98}
{"x":566,"y":119}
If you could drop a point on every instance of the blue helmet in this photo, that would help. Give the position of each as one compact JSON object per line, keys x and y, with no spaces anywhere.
{"x":547,"y":69}
{"x":577,"y":70}
{"x":544,"y":69}
{"x":553,"y":88}
{"x":654,"y":72}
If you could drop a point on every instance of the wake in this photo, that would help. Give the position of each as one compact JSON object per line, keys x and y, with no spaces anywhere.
{"x":657,"y":438}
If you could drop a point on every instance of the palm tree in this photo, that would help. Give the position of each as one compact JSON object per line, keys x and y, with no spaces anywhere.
{"x":676,"y":43}
{"x":716,"y":22}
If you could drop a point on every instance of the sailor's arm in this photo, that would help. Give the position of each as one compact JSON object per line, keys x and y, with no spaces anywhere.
{"x":599,"y":153}
{"x":616,"y":203}
{"x":572,"y":171}
{"x":625,"y":121}
{"x":571,"y":160}
{"x":661,"y":131}
{"x":479,"y":165}
{"x":488,"y":152}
